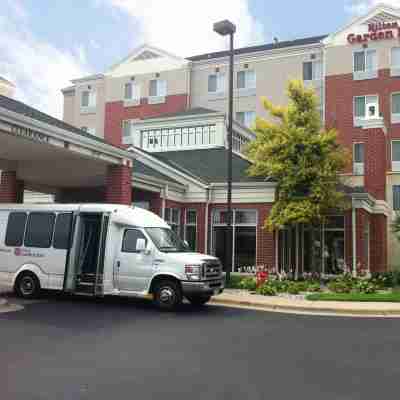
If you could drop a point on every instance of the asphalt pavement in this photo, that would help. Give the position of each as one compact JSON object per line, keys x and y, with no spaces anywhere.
{"x":78,"y":348}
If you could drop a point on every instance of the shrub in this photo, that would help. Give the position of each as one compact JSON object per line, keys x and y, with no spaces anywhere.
{"x":314,"y":287}
{"x":295,"y":287}
{"x":339,"y":286}
{"x":234,"y":282}
{"x":267,"y":289}
{"x":366,"y":286}
{"x":248,"y":284}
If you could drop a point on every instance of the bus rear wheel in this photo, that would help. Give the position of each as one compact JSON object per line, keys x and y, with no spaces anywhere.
{"x":27,"y":286}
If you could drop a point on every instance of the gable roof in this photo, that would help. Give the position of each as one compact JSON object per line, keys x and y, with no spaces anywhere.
{"x":253,"y":49}
{"x":140,"y":168}
{"x":208,"y":165}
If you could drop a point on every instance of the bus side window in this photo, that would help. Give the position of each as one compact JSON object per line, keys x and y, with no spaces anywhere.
{"x":62,"y":231}
{"x":15,"y":229}
{"x":39,"y":231}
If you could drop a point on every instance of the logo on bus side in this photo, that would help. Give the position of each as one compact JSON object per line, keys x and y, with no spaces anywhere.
{"x":19,"y":252}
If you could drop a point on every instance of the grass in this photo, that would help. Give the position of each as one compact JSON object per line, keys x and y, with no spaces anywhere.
{"x":393,"y":297}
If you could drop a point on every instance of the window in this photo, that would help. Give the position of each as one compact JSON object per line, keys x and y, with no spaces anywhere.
{"x":395,"y":155}
{"x":396,"y":197}
{"x":158,"y":88}
{"x":312,"y":70}
{"x":395,"y":115}
{"x":395,"y":61}
{"x":366,"y":107}
{"x":62,"y":231}
{"x":239,"y":142}
{"x":246,"y":79}
{"x":216,"y":83}
{"x":126,"y":129}
{"x":365,"y":64}
{"x":166,"y":138}
{"x":358,"y":159}
{"x":244,"y":241}
{"x":246,"y":118}
{"x":15,"y":229}
{"x":191,"y":228}
{"x":88,"y":98}
{"x":172,"y":217}
{"x":39,"y":230}
{"x":131,"y":237}
{"x":131,"y":91}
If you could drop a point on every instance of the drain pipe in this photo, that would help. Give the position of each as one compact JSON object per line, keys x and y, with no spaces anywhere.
{"x":354,"y":237}
{"x":206,"y":221}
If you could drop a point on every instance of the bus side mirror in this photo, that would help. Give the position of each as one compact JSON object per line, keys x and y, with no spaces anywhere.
{"x":141,"y":245}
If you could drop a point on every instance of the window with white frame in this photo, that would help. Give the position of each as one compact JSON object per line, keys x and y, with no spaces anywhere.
{"x":365,"y":64}
{"x":395,"y":115}
{"x":191,"y":229}
{"x":396,"y":155}
{"x":246,"y":118}
{"x":126,"y":129}
{"x":172,"y":217}
{"x":239,"y":142}
{"x":216,"y":83}
{"x":366,"y":107}
{"x":358,"y":159}
{"x":395,"y":61}
{"x":88,"y":99}
{"x":178,"y":137}
{"x":158,"y":88}
{"x":246,"y":79}
{"x":396,"y":197}
{"x":131,"y":91}
{"x":312,"y":70}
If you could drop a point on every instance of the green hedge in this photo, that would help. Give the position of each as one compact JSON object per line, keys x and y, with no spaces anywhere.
{"x":377,"y":297}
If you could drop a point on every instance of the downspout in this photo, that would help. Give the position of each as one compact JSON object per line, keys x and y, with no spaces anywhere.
{"x":354,"y":236}
{"x":206,"y":221}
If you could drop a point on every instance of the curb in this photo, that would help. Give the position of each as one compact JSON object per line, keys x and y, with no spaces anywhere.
{"x":312,"y":310}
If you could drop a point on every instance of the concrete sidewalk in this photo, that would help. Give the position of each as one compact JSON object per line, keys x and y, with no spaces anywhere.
{"x":239,"y":298}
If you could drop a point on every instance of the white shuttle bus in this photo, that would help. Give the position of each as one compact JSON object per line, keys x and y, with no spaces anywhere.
{"x":101,"y":249}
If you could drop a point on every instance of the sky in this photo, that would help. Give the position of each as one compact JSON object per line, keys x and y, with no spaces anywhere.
{"x":46,"y":43}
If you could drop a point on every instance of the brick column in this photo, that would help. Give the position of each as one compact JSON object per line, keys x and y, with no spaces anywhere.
{"x":11,"y":190}
{"x":118,"y":185}
{"x":379,"y":245}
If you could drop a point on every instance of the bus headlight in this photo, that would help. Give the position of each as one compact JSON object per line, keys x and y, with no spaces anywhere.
{"x":193,"y":272}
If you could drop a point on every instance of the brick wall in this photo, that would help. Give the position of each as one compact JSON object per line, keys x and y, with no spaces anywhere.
{"x":11,"y":190}
{"x":118,"y":185}
{"x":378,"y":247}
{"x":340,"y":91}
{"x":115,"y":113}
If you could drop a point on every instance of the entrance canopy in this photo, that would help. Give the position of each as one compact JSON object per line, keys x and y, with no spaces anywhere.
{"x":48,"y":155}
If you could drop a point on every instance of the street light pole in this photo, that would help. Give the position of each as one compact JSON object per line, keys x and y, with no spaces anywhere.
{"x":228,"y":28}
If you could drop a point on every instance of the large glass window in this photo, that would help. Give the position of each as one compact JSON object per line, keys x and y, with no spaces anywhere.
{"x":395,"y":108}
{"x":15,"y":229}
{"x":395,"y":155}
{"x":39,"y":230}
{"x":131,"y":91}
{"x":158,"y":88}
{"x":191,"y":228}
{"x":320,"y":248}
{"x":244,"y":225}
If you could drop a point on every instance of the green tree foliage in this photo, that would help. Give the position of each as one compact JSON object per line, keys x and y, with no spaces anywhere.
{"x":301,"y":157}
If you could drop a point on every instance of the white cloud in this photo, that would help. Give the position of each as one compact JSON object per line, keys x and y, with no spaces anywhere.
{"x":37,"y":68}
{"x":186,"y":27}
{"x":360,"y":7}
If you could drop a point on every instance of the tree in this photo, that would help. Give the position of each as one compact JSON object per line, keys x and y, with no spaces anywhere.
{"x":301,"y":157}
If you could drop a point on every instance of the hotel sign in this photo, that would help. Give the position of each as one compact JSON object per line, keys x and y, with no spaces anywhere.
{"x":26,"y":133}
{"x":378,"y":31}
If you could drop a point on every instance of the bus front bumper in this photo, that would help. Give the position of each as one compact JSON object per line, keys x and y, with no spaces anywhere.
{"x":205,"y":288}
